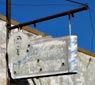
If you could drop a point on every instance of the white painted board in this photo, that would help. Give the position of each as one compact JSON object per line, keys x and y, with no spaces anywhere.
{"x":29,"y":57}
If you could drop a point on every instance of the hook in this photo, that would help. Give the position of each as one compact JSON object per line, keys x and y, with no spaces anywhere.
{"x":35,"y":25}
{"x":72,"y":15}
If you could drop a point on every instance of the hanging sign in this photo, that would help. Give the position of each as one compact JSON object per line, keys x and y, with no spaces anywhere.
{"x":41,"y":56}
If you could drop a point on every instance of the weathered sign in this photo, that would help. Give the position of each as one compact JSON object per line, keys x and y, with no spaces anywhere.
{"x":41,"y":56}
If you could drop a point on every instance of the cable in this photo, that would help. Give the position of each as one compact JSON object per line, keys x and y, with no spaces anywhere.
{"x":77,"y":2}
{"x":92,"y":26}
{"x":92,"y":9}
{"x":41,"y":4}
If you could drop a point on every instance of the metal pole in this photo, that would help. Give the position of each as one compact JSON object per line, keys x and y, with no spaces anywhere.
{"x":8,"y":26}
{"x":51,"y":17}
{"x":8,"y":14}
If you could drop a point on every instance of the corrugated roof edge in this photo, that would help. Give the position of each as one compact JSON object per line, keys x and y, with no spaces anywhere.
{"x":29,"y":29}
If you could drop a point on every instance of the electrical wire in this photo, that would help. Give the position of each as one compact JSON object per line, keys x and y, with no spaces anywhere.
{"x":92,"y":26}
{"x":39,"y":4}
{"x":94,"y":8}
{"x":76,"y":2}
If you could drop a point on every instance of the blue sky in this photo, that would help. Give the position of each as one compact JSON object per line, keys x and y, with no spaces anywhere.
{"x":82,"y":25}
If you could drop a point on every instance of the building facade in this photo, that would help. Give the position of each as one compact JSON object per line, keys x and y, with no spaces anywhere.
{"x":86,"y":64}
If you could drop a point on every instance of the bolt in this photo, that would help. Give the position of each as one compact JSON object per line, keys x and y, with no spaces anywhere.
{"x":38,"y":60}
{"x":62,"y":64}
{"x":40,"y":69}
{"x":14,"y":72}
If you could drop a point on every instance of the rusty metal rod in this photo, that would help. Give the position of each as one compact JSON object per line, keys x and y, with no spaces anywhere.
{"x":8,"y":26}
{"x":51,"y":17}
{"x":8,"y":13}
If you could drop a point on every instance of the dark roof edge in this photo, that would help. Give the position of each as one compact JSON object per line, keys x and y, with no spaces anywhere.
{"x":27,"y":28}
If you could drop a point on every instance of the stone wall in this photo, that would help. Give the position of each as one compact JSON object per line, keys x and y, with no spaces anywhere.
{"x":2,"y":53}
{"x":85,"y":76}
